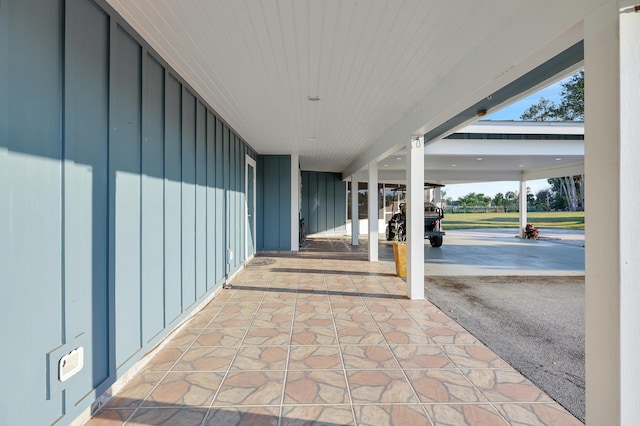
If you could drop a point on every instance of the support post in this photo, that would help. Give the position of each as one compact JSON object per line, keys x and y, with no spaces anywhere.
{"x":355,"y":214}
{"x":415,"y":218}
{"x":373,"y":211}
{"x":612,"y":228}
{"x":523,"y":207}
{"x":295,"y":202}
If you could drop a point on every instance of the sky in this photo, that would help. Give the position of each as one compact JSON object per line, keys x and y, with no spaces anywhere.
{"x":512,"y":112}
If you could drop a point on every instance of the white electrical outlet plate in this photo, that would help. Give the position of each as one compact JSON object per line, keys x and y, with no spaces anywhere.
{"x":70,"y":364}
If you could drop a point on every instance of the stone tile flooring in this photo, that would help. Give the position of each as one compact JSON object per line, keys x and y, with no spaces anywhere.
{"x":325,"y":337}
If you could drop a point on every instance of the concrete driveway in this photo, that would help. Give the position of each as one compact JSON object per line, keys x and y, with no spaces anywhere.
{"x":522,"y":298}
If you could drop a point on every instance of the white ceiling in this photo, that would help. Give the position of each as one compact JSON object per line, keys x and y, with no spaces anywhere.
{"x":382,"y":69}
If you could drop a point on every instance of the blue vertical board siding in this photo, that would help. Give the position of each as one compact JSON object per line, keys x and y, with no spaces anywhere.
{"x":259,"y":240}
{"x":323,"y":207}
{"x":238,"y":208}
{"x":331,"y":203}
{"x":227,"y":204}
{"x":323,"y":201}
{"x":86,"y":153}
{"x":273,"y":201}
{"x":211,"y":200}
{"x":124,"y":168}
{"x":242,"y":206}
{"x":30,"y":227}
{"x":304,"y":207}
{"x":188,"y":199}
{"x":231,"y":191}
{"x":271,"y":207}
{"x":123,"y":188}
{"x":314,"y":204}
{"x":220,"y":272}
{"x":251,"y":208}
{"x":173,"y":200}
{"x":340,"y":206}
{"x":285,"y":202}
{"x":152,"y":198}
{"x":201,"y":200}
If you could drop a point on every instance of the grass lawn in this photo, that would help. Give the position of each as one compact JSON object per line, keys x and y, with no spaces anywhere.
{"x":560,"y":220}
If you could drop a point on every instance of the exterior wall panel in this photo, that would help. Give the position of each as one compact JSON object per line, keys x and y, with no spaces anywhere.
{"x":123,"y":185}
{"x":188,"y":198}
{"x":221,"y":215}
{"x":172,"y":200}
{"x":152,"y":199}
{"x":274,"y":201}
{"x":211,"y":231}
{"x":323,"y":202}
{"x":201,"y":200}
{"x":86,"y":295}
{"x":124,"y":169}
{"x":31,"y":212}
{"x":228,"y":221}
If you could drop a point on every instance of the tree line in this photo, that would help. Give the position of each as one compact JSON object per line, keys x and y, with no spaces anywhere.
{"x":566,"y":192}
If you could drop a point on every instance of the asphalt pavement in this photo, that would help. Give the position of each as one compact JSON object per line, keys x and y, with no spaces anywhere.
{"x":522,"y":298}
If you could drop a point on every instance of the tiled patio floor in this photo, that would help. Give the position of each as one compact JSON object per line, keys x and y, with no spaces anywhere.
{"x":326,"y":337}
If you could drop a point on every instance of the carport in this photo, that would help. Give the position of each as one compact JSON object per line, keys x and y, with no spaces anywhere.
{"x":491,"y":151}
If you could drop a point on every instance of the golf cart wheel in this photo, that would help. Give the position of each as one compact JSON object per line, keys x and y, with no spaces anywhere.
{"x":402,"y":236}
{"x":389,"y":234}
{"x":435,"y":241}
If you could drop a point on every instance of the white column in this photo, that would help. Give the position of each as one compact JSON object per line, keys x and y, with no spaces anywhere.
{"x":612,"y":239}
{"x":523,"y":207}
{"x":295,"y":202}
{"x":355,"y":219}
{"x":415,"y":219}
{"x":373,"y":211}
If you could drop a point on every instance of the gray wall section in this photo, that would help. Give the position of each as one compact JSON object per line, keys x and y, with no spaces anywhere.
{"x":274,"y":202}
{"x":172,"y":200}
{"x":30,"y":207}
{"x":324,"y":202}
{"x":120,"y":193}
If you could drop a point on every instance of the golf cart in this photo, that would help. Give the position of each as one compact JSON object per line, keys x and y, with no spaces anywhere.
{"x":397,"y":226}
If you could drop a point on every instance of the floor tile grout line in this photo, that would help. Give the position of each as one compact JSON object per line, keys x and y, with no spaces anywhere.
{"x":404,"y":374}
{"x":286,"y":372}
{"x":170,"y":369}
{"x":226,"y":374}
{"x":340,"y":351}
